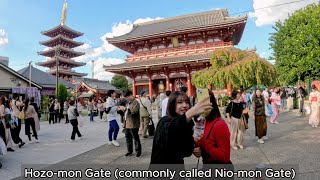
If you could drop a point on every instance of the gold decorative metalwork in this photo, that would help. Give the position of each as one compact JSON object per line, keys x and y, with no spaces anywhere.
{"x":175,"y":41}
{"x":64,"y":13}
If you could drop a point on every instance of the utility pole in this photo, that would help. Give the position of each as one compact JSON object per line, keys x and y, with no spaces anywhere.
{"x":57,"y":53}
{"x":30,"y":64}
{"x":92,"y":69}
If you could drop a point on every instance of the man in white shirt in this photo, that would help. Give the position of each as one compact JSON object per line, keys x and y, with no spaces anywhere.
{"x":111,"y":111}
{"x":165,"y":103}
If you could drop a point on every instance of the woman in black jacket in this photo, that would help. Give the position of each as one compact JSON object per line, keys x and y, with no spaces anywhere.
{"x":173,"y":138}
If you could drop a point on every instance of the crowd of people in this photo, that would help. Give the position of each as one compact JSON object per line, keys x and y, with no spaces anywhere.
{"x":174,"y":137}
{"x":12,"y":113}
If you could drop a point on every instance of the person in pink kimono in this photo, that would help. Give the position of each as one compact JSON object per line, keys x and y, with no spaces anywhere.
{"x":275,"y":103}
{"x":314,"y":102}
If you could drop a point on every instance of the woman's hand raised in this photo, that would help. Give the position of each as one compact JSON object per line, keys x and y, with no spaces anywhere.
{"x":201,"y":107}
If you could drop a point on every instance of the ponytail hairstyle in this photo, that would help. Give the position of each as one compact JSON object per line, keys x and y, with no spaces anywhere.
{"x":26,"y":104}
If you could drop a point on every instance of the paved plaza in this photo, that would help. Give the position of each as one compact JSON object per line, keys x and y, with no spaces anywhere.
{"x":293,"y":141}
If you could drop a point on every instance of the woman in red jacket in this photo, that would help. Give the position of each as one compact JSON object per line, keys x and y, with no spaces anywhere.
{"x":214,"y":145}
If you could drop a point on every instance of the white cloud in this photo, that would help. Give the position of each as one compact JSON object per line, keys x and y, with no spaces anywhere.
{"x":99,"y":71}
{"x":118,"y":29}
{"x":263,"y":54}
{"x":264,"y":16}
{"x":3,"y":38}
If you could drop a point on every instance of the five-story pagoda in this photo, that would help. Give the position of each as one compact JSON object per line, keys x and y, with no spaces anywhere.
{"x":60,"y":52}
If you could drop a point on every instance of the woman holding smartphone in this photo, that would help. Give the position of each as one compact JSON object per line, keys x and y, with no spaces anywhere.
{"x":173,"y":139}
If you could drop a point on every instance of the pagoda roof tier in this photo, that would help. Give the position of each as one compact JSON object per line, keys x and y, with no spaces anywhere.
{"x":67,"y":72}
{"x":59,"y":40}
{"x":51,"y":62}
{"x":51,"y":52}
{"x":158,"y":62}
{"x":60,"y":29}
{"x":179,"y":25}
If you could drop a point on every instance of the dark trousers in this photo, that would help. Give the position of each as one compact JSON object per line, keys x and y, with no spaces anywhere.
{"x":130,"y":135}
{"x":75,"y":129}
{"x":66,"y":117}
{"x":57,"y":116}
{"x":2,"y":133}
{"x":101,"y":114}
{"x":113,"y":130}
{"x":30,"y":122}
{"x":91,"y":116}
{"x":51,"y":117}
{"x":15,"y":133}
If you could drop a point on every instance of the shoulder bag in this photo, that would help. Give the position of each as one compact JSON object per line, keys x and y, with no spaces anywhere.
{"x":151,"y":127}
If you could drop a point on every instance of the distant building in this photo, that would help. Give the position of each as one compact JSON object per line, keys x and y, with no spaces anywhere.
{"x":87,"y":87}
{"x":47,"y":81}
{"x":13,"y":82}
{"x":166,"y":52}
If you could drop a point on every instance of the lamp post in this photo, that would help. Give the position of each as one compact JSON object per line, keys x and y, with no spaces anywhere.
{"x":30,"y":73}
{"x":57,"y":53}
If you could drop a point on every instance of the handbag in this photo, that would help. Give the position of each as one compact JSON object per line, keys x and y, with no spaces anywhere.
{"x":22,"y":115}
{"x":151,"y":128}
{"x":243,"y":125}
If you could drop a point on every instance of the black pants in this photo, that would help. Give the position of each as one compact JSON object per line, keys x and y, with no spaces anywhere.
{"x":2,"y":133}
{"x":51,"y":117}
{"x":15,"y":133}
{"x":30,"y":122}
{"x":130,"y":135}
{"x":75,"y":129}
{"x":57,"y":116}
{"x":66,"y":117}
{"x":101,"y":114}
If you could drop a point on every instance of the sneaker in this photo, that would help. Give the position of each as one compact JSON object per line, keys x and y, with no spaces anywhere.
{"x":277,"y":123}
{"x":10,"y":150}
{"x":37,"y":141}
{"x":139,"y":154}
{"x":81,"y":137}
{"x":21,"y":144}
{"x":109,"y":142}
{"x":31,"y":142}
{"x":264,"y":137}
{"x":316,"y":126}
{"x":261,"y":141}
{"x":241,"y":147}
{"x":235,"y":147}
{"x":128,"y":154}
{"x":115,"y":143}
{"x":72,"y":140}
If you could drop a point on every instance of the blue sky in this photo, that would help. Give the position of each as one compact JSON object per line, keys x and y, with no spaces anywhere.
{"x":22,"y":21}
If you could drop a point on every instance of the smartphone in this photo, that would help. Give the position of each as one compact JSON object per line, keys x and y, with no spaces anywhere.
{"x":203,"y":94}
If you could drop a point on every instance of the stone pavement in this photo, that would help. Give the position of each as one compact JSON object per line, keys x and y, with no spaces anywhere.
{"x":54,"y":146}
{"x":293,"y":141}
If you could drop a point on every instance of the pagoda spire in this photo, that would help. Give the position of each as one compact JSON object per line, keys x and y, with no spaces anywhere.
{"x":64,"y":13}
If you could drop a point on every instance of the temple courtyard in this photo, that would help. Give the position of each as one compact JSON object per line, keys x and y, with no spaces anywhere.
{"x":293,"y":142}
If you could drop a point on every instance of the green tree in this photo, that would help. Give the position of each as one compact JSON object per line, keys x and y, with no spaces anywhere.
{"x":62,"y":93}
{"x":239,"y":67}
{"x":120,"y":82}
{"x":296,"y":45}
